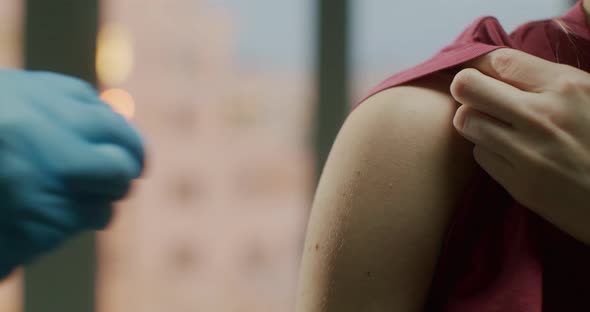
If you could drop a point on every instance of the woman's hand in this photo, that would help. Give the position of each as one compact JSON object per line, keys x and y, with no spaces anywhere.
{"x":530,"y":122}
{"x":65,"y":157}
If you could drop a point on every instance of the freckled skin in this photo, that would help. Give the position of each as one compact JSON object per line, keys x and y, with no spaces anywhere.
{"x":393,"y":178}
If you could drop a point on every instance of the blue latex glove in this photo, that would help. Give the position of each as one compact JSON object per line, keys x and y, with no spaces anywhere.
{"x":65,"y":157}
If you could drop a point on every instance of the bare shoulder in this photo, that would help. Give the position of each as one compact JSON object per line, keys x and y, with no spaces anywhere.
{"x":416,"y":117}
{"x":428,"y":99}
{"x":404,"y":137}
{"x":389,"y":188}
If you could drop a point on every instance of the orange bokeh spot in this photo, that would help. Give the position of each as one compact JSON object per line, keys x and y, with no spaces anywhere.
{"x":120,"y":101}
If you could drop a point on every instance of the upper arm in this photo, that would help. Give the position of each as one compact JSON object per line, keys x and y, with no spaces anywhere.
{"x":393,"y":177}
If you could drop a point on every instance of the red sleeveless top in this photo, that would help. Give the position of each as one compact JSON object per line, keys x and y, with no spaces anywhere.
{"x":499,"y":256}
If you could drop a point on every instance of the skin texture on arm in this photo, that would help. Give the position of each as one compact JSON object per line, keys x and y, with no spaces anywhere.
{"x":393,"y":178}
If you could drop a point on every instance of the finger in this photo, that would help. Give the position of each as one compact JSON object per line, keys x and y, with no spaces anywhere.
{"x":100,"y":124}
{"x":103,"y":125}
{"x":97,"y":121}
{"x":66,"y":213}
{"x":68,"y":162}
{"x":93,"y":215}
{"x":519,"y":69}
{"x":493,"y":97}
{"x":87,"y":188}
{"x":487,"y":132}
{"x":27,"y":239}
{"x":46,"y":208}
{"x":94,"y":121}
{"x":101,"y":169}
{"x":498,"y":167}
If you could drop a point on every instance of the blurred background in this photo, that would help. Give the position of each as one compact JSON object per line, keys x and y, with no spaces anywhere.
{"x":239,"y":101}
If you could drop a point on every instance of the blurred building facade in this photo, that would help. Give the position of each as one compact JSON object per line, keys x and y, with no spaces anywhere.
{"x":217,"y":222}
{"x":10,"y":33}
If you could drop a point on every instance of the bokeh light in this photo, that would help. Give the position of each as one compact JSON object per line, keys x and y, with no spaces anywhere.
{"x":120,"y":101}
{"x":114,"y":55}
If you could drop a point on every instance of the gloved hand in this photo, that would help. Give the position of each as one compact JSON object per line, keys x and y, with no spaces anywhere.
{"x":65,"y":157}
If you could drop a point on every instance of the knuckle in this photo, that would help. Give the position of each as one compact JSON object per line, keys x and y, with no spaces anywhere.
{"x":584,"y":84}
{"x":558,"y":117}
{"x":572,"y":83}
{"x":547,"y":130}
{"x":503,"y":62}
{"x":549,"y":115}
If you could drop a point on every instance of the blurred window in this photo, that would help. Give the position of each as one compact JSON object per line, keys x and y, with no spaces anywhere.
{"x":389,"y":36}
{"x":223,"y":91}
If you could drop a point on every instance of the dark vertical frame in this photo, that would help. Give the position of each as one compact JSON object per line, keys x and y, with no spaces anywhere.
{"x":60,"y":36}
{"x":332,"y":75}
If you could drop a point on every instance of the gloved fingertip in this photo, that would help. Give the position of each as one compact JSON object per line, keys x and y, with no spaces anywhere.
{"x":138,"y":146}
{"x":119,"y":164}
{"x":98,"y":217}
